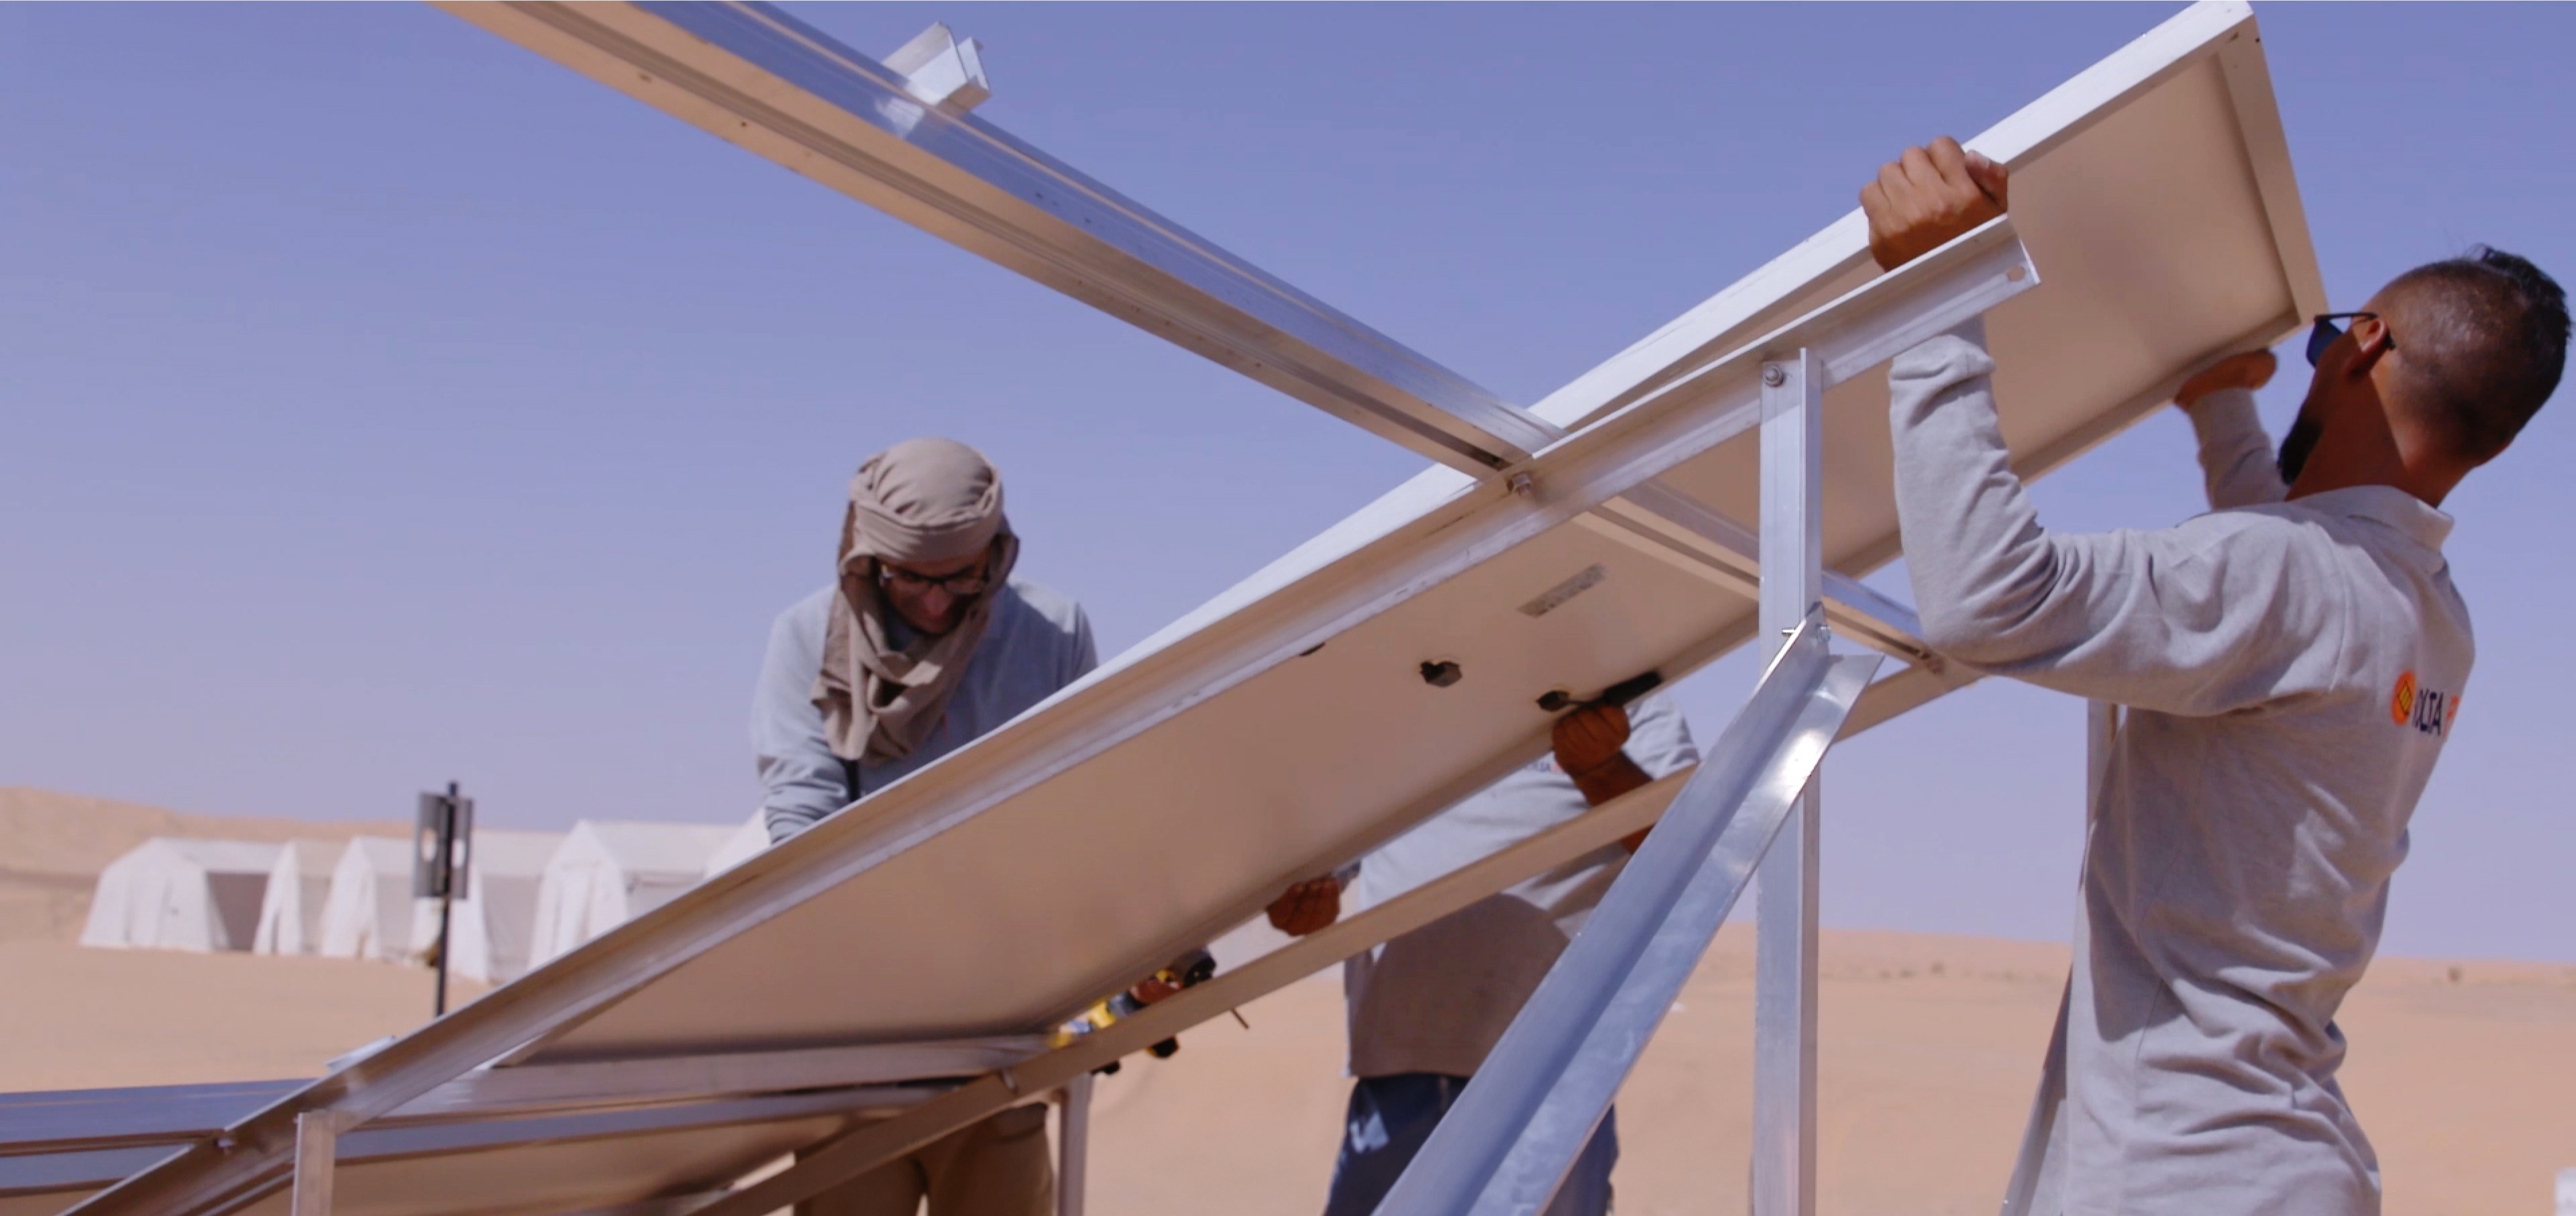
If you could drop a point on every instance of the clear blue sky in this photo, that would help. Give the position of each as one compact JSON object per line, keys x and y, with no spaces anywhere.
{"x":381,"y":404}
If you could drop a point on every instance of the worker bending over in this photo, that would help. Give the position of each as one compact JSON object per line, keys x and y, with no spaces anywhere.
{"x":2289,"y":664}
{"x":923,"y":643}
{"x":1427,"y":1007}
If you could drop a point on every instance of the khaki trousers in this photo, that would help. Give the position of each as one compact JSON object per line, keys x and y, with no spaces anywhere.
{"x":999,"y":1167}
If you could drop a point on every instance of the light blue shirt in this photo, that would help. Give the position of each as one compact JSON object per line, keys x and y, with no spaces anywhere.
{"x":1036,"y":643}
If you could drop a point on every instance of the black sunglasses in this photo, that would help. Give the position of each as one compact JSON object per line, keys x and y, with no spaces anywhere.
{"x":969,"y":582}
{"x":2326,"y":331}
{"x":962,"y":584}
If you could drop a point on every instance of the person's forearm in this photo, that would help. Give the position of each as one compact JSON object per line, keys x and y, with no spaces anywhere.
{"x":2236,"y":461}
{"x":796,"y":794}
{"x":1614,"y":777}
{"x":801,"y":781}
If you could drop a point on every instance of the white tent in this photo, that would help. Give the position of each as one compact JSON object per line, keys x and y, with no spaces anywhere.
{"x":181,"y":894}
{"x":489,"y":930}
{"x":607,"y":873}
{"x":369,"y":913}
{"x":299,"y":885}
{"x":745,"y":843}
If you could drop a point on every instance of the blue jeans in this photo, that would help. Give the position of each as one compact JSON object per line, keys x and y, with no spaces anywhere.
{"x":1392,"y":1117}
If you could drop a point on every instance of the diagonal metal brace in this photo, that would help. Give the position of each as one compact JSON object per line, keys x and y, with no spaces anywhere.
{"x":1509,"y":1142}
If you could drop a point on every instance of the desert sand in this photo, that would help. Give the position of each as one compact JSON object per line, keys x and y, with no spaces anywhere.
{"x":1930,"y":1049}
{"x":2461,"y":1071}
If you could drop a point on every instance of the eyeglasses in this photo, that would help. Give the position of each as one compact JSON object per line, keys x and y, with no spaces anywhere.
{"x":2326,"y":331}
{"x":961,"y":584}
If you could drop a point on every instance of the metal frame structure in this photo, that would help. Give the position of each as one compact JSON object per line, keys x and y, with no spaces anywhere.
{"x":1840,"y":341}
{"x":1727,"y":398}
{"x":1507,"y":1145}
{"x":70,"y":1143}
{"x":1784,"y":964}
{"x":898,"y":135}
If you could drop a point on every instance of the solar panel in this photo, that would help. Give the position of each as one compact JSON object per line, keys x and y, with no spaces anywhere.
{"x":1294,"y":722}
{"x":2164,"y":240}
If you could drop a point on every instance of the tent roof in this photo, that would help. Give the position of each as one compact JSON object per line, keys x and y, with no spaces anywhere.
{"x":216,"y":856}
{"x":647,"y":848}
{"x":382,"y":854}
{"x":506,"y":852}
{"x":313,"y":857}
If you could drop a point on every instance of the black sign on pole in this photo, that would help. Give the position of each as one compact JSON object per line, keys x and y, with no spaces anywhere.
{"x":442,"y":846}
{"x":441,"y":864}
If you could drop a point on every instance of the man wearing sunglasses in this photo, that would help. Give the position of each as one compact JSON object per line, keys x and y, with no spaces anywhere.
{"x":923,"y":642}
{"x":2288,"y":667}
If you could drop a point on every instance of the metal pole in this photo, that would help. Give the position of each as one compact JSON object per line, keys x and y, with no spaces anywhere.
{"x":1073,"y":1146}
{"x":1784,"y":967}
{"x":446,"y":893}
{"x":317,"y":1145}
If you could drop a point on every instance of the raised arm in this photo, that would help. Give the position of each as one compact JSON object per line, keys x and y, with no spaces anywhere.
{"x":2236,"y":462}
{"x":2222,"y":613}
{"x":2187,"y":620}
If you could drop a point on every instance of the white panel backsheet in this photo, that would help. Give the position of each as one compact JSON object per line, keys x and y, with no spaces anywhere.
{"x":1137,"y":850}
{"x":2154,"y":196}
{"x":2158,"y":253}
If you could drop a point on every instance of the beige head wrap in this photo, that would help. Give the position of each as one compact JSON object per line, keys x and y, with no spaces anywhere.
{"x":922,"y":502}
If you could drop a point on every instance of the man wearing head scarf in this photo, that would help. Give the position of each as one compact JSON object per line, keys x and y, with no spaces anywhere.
{"x":923,"y":642}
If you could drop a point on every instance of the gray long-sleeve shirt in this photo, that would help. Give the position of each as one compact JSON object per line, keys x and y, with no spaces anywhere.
{"x":1036,"y":643}
{"x":2289,"y":672}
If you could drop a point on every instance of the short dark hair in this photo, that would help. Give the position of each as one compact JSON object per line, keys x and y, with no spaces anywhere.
{"x":2487,"y":334}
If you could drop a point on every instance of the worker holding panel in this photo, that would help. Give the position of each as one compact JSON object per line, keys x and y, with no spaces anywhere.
{"x":2289,"y":666}
{"x":924,"y":642}
{"x":1427,"y":1007}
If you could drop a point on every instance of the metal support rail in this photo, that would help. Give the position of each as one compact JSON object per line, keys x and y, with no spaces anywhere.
{"x":757,"y":77}
{"x":317,"y":1152}
{"x":761,"y":79}
{"x":82,"y":1163}
{"x":1784,"y":962}
{"x":1073,"y":1146}
{"x":1505,"y":1149}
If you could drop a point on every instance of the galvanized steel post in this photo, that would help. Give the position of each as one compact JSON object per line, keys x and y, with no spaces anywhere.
{"x":317,"y":1152}
{"x":1073,"y":1145}
{"x":1784,"y":969}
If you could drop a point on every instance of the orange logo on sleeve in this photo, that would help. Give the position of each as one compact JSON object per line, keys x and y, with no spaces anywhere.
{"x":2429,"y":710}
